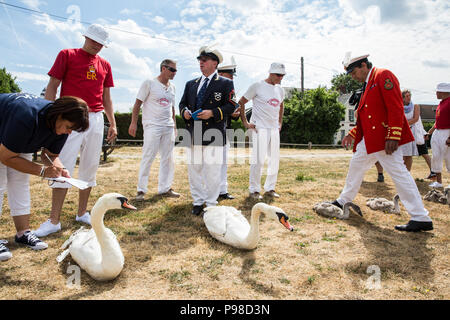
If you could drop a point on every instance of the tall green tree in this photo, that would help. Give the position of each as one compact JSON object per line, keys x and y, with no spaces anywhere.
{"x":7,"y":82}
{"x":343,"y":83}
{"x":312,"y":117}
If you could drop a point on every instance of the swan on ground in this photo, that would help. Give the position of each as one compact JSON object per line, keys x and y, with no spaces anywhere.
{"x":384,"y":205}
{"x":229,"y":226}
{"x":97,"y":250}
{"x":437,"y":196}
{"x":329,"y":210}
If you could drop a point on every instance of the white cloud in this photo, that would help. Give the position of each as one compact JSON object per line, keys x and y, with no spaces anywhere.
{"x":29,"y":76}
{"x":159,"y":20}
{"x":129,"y":12}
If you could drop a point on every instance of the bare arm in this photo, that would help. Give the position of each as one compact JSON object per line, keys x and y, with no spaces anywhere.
{"x":280,"y":121}
{"x":52,"y":89}
{"x":134,"y":118}
{"x":109,"y":111}
{"x":416,"y":115}
{"x":13,"y":160}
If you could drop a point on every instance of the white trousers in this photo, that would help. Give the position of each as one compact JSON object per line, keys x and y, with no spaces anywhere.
{"x":17,"y":185}
{"x":204,"y":165}
{"x":224,"y":169}
{"x":441,"y":152}
{"x":89,"y":145}
{"x":162,"y":140}
{"x":266,"y":143}
{"x":393,"y":164}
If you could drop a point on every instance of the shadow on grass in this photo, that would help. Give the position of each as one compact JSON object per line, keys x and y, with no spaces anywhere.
{"x":404,"y":254}
{"x":248,"y":263}
{"x":377,"y":190}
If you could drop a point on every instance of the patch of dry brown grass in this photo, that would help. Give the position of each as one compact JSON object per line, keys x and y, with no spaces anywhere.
{"x":170,"y":255}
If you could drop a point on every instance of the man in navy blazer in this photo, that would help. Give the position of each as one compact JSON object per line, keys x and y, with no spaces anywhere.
{"x":213,"y":95}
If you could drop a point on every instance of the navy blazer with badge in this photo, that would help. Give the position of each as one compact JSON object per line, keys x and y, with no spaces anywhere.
{"x":219,"y":98}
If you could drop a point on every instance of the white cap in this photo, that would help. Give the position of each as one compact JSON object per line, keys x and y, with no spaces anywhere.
{"x":277,"y":67}
{"x":211,"y":52}
{"x":443,"y":87}
{"x":350,"y":61}
{"x":97,"y":33}
{"x":228,"y":66}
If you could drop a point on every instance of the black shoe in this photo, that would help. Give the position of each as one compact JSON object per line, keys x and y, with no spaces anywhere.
{"x":197,"y":210}
{"x":5,"y":254}
{"x":431,"y":176}
{"x":31,"y":241}
{"x":415,"y":226}
{"x":380,"y":177}
{"x":337,"y":204}
{"x":225,"y":196}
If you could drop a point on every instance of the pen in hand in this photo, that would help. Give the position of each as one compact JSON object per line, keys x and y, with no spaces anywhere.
{"x":57,"y":171}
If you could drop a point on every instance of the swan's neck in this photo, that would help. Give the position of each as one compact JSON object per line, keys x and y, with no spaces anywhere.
{"x":396,"y":206}
{"x":97,"y":214}
{"x":253,"y":236}
{"x":106,"y":247}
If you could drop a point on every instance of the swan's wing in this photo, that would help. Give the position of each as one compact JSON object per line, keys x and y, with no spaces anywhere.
{"x":62,"y":256}
{"x":85,"y":249}
{"x":220,"y":219}
{"x":215,"y":219}
{"x":72,"y":236}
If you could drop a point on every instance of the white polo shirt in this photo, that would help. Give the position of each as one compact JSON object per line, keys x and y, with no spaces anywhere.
{"x":267,"y":99}
{"x":158,"y":101}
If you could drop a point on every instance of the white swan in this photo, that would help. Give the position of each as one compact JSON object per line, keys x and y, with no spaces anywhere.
{"x":229,"y":226}
{"x":97,"y":250}
{"x":329,"y":210}
{"x":384,"y":205}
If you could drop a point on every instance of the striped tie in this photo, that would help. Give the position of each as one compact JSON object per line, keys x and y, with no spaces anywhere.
{"x":201,"y":95}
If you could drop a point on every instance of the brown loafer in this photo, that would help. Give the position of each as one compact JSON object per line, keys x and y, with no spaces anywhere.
{"x":272,"y":193}
{"x":171,"y":194}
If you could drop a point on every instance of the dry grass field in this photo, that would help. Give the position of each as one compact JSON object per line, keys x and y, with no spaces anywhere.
{"x":169,"y":254}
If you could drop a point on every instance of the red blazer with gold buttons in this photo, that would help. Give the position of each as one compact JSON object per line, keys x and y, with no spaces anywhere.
{"x":380,"y":113}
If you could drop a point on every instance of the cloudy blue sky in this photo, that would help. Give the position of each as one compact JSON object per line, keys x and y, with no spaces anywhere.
{"x":409,"y":37}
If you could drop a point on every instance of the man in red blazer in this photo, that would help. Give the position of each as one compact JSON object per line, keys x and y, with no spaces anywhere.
{"x":381,"y":127}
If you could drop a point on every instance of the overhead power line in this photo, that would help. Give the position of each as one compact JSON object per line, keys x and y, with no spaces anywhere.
{"x":32,"y":11}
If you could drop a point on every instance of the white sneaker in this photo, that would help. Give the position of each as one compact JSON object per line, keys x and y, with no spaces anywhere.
{"x":435,"y":185}
{"x":5,"y":254}
{"x":85,"y":218}
{"x":47,"y":228}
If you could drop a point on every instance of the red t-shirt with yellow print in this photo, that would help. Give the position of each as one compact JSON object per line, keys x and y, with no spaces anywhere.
{"x":83,"y":75}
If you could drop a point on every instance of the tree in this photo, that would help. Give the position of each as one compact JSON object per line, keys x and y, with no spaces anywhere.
{"x":343,"y":83}
{"x":312,"y":117}
{"x":7,"y":82}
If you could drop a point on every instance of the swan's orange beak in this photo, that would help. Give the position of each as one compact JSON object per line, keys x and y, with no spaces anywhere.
{"x":286,"y":224}
{"x":125,"y":204}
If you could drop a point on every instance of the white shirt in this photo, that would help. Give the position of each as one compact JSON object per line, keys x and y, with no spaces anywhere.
{"x":158,"y":101}
{"x":211,"y":76}
{"x":267,"y":99}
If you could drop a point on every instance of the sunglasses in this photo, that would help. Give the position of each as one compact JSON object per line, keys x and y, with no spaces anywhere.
{"x":279,"y":75}
{"x":171,"y":69}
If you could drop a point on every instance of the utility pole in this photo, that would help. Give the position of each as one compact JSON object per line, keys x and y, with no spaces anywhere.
{"x":302,"y":77}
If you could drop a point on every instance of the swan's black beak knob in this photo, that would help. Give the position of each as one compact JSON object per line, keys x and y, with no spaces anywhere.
{"x":284,"y":221}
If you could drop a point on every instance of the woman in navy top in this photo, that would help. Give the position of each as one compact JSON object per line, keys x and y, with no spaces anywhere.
{"x":27,"y":124}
